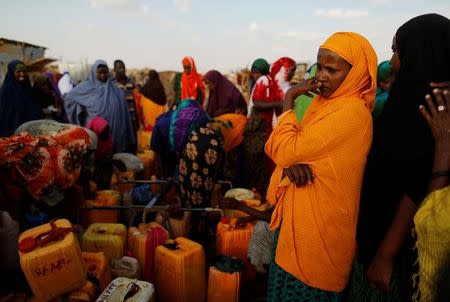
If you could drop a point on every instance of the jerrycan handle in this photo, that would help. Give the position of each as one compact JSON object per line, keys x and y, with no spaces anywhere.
{"x":99,"y":230}
{"x":126,"y":262}
{"x":171,"y":245}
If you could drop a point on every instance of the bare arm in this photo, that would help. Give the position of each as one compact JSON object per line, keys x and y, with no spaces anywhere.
{"x":441,"y":163}
{"x":231,"y":203}
{"x":400,"y":228}
{"x":380,"y":269}
{"x":306,"y":87}
{"x":264,"y":106}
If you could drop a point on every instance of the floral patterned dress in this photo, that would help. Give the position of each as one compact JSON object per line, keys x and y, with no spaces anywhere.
{"x":199,"y":166}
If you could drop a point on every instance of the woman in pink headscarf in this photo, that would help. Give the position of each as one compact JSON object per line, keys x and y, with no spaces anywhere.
{"x":104,"y":139}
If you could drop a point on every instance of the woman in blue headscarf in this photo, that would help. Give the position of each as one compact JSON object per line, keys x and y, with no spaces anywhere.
{"x":99,"y":96}
{"x":385,"y":77}
{"x":17,"y":105}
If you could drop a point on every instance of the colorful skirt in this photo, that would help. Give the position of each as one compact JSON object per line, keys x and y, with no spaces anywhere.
{"x":199,"y":166}
{"x":285,"y":287}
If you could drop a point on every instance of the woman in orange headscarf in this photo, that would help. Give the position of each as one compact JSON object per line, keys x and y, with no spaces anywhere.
{"x":192,"y":86}
{"x":320,"y":162}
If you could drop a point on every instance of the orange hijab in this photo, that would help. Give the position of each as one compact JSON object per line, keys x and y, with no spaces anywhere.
{"x":233,"y":135}
{"x":190,"y":83}
{"x":317,"y":222}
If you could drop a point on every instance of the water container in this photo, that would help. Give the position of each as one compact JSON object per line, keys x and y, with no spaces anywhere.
{"x":128,"y":290}
{"x":125,"y":266}
{"x":125,"y":176}
{"x":104,"y":198}
{"x":131,"y":161}
{"x":54,"y":268}
{"x":181,"y":227}
{"x":109,"y":238}
{"x":233,"y":240}
{"x":143,"y":138}
{"x":148,"y":158}
{"x":97,"y":265}
{"x":180,"y":271}
{"x":223,"y":286}
{"x":88,"y":293}
{"x":79,"y":296}
{"x":144,"y":241}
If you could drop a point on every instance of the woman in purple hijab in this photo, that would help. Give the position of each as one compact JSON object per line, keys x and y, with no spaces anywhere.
{"x":224,"y":97}
{"x":99,"y":96}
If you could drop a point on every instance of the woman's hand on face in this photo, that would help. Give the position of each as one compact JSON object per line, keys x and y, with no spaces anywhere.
{"x":438,"y":114}
{"x":300,"y":175}
{"x":306,"y":87}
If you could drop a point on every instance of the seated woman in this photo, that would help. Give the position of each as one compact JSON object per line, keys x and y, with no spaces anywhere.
{"x":316,"y":185}
{"x":99,"y":96}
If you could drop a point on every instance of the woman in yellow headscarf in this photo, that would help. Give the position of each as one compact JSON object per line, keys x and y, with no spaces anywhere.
{"x":320,"y":162}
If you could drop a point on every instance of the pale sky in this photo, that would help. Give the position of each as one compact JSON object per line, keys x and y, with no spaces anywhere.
{"x":219,"y":34}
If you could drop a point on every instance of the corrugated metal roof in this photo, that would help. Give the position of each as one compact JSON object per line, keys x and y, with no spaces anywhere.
{"x":4,"y":40}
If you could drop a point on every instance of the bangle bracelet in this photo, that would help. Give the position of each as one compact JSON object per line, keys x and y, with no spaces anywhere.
{"x":441,"y":173}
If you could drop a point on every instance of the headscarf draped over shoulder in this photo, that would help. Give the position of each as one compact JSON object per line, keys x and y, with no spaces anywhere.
{"x":317,"y":222}
{"x":17,"y":103}
{"x":191,"y":83}
{"x":93,"y":98}
{"x":361,"y":81}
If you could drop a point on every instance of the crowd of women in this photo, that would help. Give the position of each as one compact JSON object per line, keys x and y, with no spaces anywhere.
{"x":352,"y":159}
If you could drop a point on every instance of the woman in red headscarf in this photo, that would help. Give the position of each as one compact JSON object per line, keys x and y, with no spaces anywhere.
{"x":282,"y":72}
{"x":269,"y":92}
{"x":192,"y":86}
